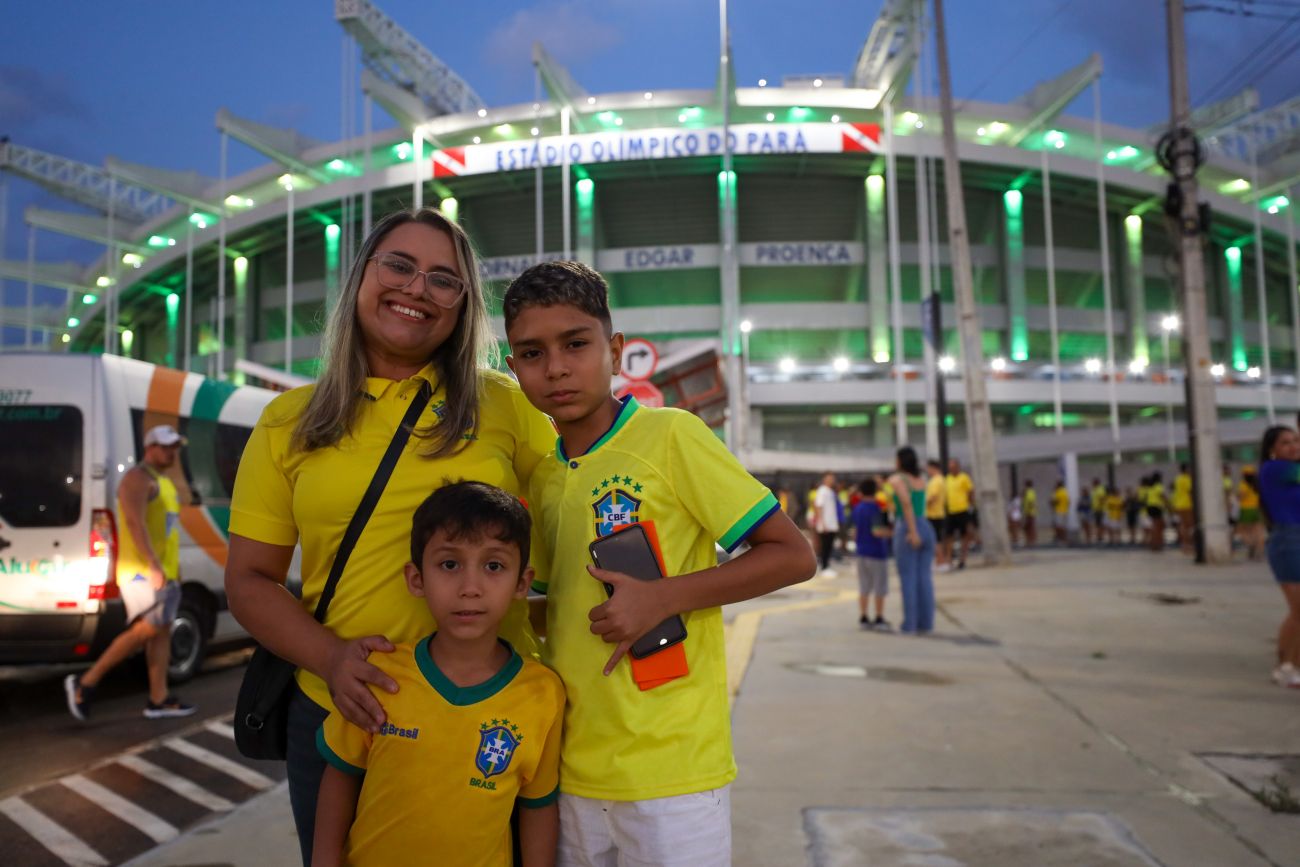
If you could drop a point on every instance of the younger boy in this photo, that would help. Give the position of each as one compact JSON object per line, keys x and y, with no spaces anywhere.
{"x":646,"y":762}
{"x":871,"y":532}
{"x":473,"y":730}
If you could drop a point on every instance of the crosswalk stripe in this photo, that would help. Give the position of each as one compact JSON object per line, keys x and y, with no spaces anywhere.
{"x":220,"y":727}
{"x":50,"y":834}
{"x":177,"y":784}
{"x":106,"y":799}
{"x":248,"y":776}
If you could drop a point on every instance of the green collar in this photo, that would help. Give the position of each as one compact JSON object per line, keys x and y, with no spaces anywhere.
{"x":462,"y":696}
{"x":630,"y":406}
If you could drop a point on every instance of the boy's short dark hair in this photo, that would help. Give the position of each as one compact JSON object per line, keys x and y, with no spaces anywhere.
{"x":471,"y":509}
{"x":867,"y":487}
{"x":549,"y":283}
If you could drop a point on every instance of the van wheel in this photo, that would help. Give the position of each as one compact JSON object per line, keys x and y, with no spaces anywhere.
{"x":189,"y":639}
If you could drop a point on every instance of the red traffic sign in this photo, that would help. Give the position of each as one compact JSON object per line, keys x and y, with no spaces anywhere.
{"x":640,"y":358}
{"x":646,"y":393}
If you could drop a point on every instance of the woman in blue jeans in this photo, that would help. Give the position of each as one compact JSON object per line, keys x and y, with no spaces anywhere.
{"x":1279,"y":495}
{"x":913,"y":544}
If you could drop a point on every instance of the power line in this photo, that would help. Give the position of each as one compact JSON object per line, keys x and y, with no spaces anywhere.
{"x":1249,"y":63}
{"x":1006,"y":61}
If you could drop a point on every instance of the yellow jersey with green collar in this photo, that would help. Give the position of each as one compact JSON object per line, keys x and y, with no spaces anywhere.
{"x":444,"y":772}
{"x":663,"y":465}
{"x":283,"y":495}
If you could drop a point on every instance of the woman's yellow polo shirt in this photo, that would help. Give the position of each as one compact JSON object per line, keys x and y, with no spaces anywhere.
{"x":284,"y":496}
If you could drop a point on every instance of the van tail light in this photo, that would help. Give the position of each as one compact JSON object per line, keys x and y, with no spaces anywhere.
{"x":103,"y":552}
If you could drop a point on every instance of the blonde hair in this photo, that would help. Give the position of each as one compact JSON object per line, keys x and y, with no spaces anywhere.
{"x":332,"y":411}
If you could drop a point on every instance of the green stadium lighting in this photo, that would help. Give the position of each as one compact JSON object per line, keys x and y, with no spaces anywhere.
{"x":73,"y":322}
{"x":997,"y":128}
{"x":450,"y":208}
{"x":173,"y":303}
{"x":769,"y":117}
{"x":1013,"y":201}
{"x":1054,"y":138}
{"x":341,"y":166}
{"x":1275,"y":204}
{"x":585,"y":186}
{"x":1237,"y":341}
{"x":161,"y":241}
{"x":201,"y":220}
{"x":89,"y":299}
{"x":135,"y":260}
{"x":798,"y":112}
{"x":402,"y":150}
{"x":103,"y":281}
{"x":1237,"y":185}
{"x":128,"y":339}
{"x":1133,"y":223}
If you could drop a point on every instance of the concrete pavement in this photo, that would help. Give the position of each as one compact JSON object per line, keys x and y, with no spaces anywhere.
{"x":1077,"y":708}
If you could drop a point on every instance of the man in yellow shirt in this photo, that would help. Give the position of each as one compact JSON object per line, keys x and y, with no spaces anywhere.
{"x":148,"y":573}
{"x":646,"y":763}
{"x":1180,"y":501}
{"x":936,"y":511}
{"x":1029,"y":506}
{"x":958,"y":486}
{"x":1060,"y":513}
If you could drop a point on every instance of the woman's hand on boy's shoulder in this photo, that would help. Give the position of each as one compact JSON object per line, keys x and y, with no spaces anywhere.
{"x":347,"y":675}
{"x":634,"y":609}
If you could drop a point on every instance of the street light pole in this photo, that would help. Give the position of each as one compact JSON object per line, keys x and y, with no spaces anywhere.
{"x":979,"y":416}
{"x":1167,"y":325}
{"x":1180,"y":154}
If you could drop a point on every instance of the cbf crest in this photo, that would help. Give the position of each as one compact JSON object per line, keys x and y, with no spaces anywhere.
{"x":615,"y":505}
{"x":497,"y":743}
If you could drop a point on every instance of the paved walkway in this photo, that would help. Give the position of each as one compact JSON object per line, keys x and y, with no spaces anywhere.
{"x":1109,"y":708}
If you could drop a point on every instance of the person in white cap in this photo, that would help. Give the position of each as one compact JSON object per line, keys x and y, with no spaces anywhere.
{"x":148,"y":569}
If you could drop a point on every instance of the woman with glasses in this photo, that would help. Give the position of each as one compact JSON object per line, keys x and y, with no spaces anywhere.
{"x":411,"y":318}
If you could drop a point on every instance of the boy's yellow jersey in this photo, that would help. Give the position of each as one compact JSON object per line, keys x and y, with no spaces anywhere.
{"x":1181,"y":501}
{"x":1029,"y":502}
{"x":1061,"y":501}
{"x":959,"y":489}
{"x":664,"y":465}
{"x":445,"y":771}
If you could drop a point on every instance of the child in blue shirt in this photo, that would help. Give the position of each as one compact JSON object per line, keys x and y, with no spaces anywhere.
{"x":871,"y":532}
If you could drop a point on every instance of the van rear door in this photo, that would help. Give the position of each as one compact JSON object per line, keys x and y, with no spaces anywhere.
{"x":46,"y":566}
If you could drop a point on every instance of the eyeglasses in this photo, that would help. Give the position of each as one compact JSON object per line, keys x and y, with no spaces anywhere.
{"x":441,"y":288}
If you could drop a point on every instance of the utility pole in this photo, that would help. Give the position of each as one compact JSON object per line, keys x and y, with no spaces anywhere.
{"x":1181,"y":155}
{"x":979,"y":418}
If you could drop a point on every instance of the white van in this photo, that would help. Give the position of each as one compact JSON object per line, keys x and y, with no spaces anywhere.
{"x":70,"y":427}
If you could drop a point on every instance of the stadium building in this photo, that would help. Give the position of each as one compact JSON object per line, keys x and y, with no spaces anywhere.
{"x":773,"y":239}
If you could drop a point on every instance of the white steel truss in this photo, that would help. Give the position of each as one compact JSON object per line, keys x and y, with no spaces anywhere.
{"x":885,"y":61}
{"x":85,"y":184}
{"x":398,"y":57}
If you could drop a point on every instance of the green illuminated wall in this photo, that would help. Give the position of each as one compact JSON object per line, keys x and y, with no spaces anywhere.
{"x":1135,"y":289}
{"x":1237,"y":340}
{"x":1017,"y":308}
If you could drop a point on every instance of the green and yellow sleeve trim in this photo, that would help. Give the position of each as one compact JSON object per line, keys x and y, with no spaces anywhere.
{"x":538,"y":803}
{"x":333,"y":758}
{"x":741,"y":529}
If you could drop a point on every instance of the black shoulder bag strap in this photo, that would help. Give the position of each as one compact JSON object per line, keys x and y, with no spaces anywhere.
{"x":371,"y":497}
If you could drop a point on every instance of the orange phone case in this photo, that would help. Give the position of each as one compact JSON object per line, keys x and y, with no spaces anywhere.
{"x":669,"y":663}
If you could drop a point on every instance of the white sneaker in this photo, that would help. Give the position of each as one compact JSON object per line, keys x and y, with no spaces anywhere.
{"x":828,"y":573}
{"x":1287,"y":675}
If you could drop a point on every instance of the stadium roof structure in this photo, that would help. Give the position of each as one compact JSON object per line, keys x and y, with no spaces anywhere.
{"x":1254,"y":153}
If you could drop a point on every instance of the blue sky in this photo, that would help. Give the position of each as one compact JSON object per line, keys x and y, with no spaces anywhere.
{"x":143,"y":81}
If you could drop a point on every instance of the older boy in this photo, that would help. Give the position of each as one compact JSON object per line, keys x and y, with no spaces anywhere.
{"x":473,"y":729}
{"x":646,"y":762}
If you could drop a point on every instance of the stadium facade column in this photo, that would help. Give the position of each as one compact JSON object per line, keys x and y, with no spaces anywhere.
{"x":895,"y":278}
{"x":1107,"y":295}
{"x":925,"y":257}
{"x":1054,"y":331}
{"x":1261,"y":315}
{"x":1135,"y":287}
{"x":877,"y":261}
{"x":1236,"y":334}
{"x":1293,"y":288}
{"x":332,"y":234}
{"x":1013,"y":206}
{"x":173,"y":317}
{"x":584,"y":249}
{"x":239,"y":323}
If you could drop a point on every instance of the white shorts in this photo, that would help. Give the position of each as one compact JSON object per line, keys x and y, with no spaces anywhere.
{"x":142,"y":602}
{"x":682,"y":831}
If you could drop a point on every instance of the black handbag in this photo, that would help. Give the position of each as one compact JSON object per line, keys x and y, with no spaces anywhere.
{"x":262,"y":708}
